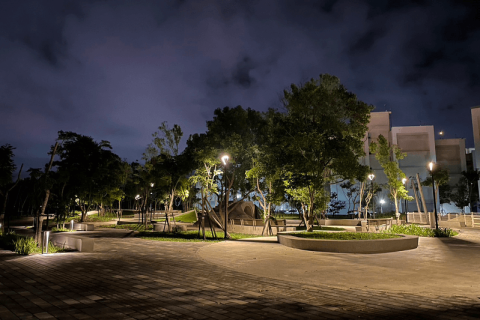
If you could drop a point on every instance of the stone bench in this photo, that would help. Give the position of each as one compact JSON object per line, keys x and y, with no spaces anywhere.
{"x":83,"y":226}
{"x":69,"y":240}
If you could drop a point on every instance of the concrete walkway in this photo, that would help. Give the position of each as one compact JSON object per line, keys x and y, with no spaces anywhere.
{"x":131,"y":278}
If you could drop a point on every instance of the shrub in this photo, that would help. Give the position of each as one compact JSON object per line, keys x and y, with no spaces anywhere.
{"x":25,"y":245}
{"x":416,"y":230}
{"x":7,"y":240}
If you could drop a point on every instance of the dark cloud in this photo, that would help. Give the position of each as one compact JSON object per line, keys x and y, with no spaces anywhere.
{"x":114,"y":70}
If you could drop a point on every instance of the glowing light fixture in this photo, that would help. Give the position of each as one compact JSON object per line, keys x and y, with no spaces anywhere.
{"x":225,"y":159}
{"x":371,"y":176}
{"x":47,"y":234}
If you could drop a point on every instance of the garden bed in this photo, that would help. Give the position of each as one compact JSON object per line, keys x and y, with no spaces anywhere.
{"x":367,"y":245}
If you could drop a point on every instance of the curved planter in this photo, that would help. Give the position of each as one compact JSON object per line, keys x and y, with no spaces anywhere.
{"x":350,"y":246}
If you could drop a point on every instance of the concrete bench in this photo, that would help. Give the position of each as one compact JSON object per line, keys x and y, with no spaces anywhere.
{"x":69,"y":240}
{"x":83,"y":226}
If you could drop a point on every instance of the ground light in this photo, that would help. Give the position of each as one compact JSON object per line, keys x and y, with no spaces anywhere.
{"x":430,"y":166}
{"x":46,"y":236}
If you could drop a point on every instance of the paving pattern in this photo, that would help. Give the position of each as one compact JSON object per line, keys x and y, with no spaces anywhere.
{"x":130,"y":278}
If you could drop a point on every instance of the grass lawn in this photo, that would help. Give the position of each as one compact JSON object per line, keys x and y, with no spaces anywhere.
{"x":188,"y":217}
{"x":323,"y":228}
{"x":344,"y":235}
{"x":287,"y":216}
{"x":189,"y":236}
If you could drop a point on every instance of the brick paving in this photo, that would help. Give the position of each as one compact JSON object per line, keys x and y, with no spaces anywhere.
{"x":129,"y":278}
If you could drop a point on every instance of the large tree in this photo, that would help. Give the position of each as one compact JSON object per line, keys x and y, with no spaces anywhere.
{"x":91,"y":168}
{"x":320,"y":140}
{"x":7,"y":167}
{"x":388,"y":156}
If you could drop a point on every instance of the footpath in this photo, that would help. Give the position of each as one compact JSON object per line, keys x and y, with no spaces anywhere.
{"x":132,"y":278}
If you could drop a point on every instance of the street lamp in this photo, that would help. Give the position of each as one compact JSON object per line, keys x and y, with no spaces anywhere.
{"x":371,"y":176}
{"x":430,"y":166}
{"x":404,"y":181}
{"x":225,"y":159}
{"x":381,"y":205}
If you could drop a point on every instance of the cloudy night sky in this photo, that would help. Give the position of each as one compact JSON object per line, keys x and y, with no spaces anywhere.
{"x":114,"y":70}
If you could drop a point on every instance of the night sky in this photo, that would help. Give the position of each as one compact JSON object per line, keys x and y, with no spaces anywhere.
{"x":114,"y":70}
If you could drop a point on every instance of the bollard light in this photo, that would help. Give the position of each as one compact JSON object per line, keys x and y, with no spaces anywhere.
{"x":47,"y":234}
{"x":71,"y":225}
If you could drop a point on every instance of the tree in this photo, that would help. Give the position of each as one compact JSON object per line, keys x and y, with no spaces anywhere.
{"x":7,"y":167}
{"x":320,"y":140}
{"x":388,"y":157}
{"x":170,"y":167}
{"x":335,"y":205}
{"x":441,"y":177}
{"x":90,"y":167}
{"x":472,"y":177}
{"x":461,"y":196}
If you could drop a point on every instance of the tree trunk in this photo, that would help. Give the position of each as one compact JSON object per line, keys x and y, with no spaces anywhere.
{"x":420,"y":189}
{"x":416,"y":196}
{"x":4,"y":213}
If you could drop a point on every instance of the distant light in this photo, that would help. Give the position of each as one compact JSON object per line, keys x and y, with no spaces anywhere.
{"x":430,"y":165}
{"x":152,"y":184}
{"x":404,"y":180}
{"x":371,"y":176}
{"x":225,"y":159}
{"x":441,"y":133}
{"x":382,"y":201}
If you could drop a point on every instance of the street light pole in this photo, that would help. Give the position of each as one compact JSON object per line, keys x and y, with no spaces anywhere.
{"x":434,"y":198}
{"x":371,"y":176}
{"x":225,"y":162}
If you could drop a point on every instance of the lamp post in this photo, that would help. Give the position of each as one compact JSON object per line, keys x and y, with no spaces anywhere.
{"x":225,"y":158}
{"x":430,"y":166}
{"x":371,"y":176}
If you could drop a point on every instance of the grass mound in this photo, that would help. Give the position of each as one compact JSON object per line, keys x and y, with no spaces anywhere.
{"x":344,"y":235}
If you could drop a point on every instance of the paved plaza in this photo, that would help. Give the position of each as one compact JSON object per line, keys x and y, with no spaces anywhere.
{"x":131,"y":278}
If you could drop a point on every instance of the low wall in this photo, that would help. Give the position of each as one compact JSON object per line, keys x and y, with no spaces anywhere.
{"x":340,"y":222}
{"x":257,"y":230}
{"x":82,"y":226}
{"x":350,"y":246}
{"x":67,"y":240}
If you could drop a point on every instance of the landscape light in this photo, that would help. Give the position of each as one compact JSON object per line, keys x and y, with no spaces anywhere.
{"x":225,"y":159}
{"x":47,"y":233}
